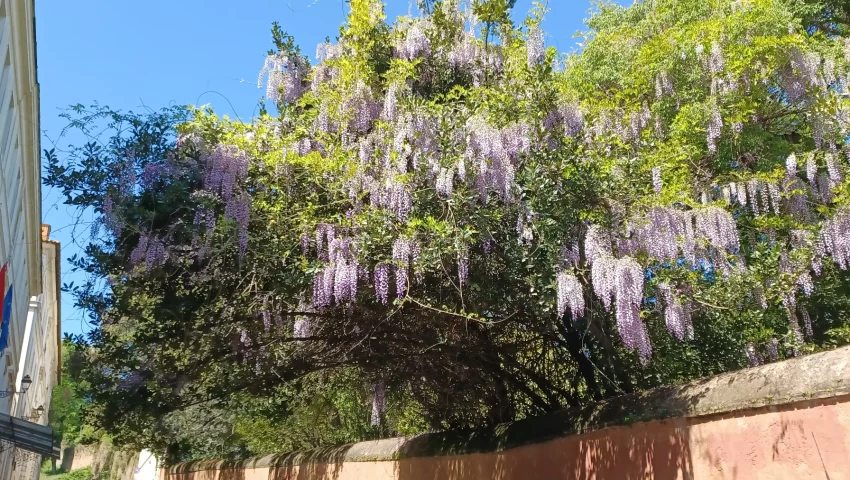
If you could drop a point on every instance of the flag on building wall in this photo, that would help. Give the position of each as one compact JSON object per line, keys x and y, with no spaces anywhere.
{"x":7,"y":314}
{"x":2,"y":288}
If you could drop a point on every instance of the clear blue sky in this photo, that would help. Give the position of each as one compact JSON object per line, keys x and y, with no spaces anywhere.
{"x":129,"y":55}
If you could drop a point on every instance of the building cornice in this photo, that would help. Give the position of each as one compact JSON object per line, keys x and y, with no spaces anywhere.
{"x":57,"y":258}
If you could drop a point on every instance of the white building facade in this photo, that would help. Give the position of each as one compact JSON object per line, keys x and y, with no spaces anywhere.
{"x":40,"y":359}
{"x":146,"y":469}
{"x":20,"y":182}
{"x":31,"y":357}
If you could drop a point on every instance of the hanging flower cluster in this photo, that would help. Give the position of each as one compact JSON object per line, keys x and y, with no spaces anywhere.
{"x":497,"y":153}
{"x":463,"y":264}
{"x":336,"y":282}
{"x":225,"y":170}
{"x":835,"y":239}
{"x":151,"y":250}
{"x":401,"y":255}
{"x":570,"y":295}
{"x":379,"y":402}
{"x":535,"y":46}
{"x":111,"y":218}
{"x":715,"y":129}
{"x":656,"y":180}
{"x":573,"y":119}
{"x":628,"y":290}
{"x":677,"y":316}
{"x":665,"y":234}
{"x":285,"y":77}
{"x":382,"y":282}
{"x":663,"y":85}
{"x":752,"y":355}
{"x":414,"y":42}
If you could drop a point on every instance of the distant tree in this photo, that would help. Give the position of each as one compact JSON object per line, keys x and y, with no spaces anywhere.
{"x":67,"y":402}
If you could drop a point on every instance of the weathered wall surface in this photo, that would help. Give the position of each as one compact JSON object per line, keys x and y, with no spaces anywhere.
{"x":103,"y":459}
{"x":117,"y":465}
{"x":788,"y":420}
{"x":78,"y":456}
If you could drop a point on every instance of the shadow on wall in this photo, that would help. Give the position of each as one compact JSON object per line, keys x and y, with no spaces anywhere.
{"x":321,"y":464}
{"x":796,"y":440}
{"x":591,"y":443}
{"x":619,"y":453}
{"x":232,"y":474}
{"x":586,"y":444}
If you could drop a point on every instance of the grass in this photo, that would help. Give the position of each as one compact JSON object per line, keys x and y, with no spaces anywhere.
{"x":81,"y":474}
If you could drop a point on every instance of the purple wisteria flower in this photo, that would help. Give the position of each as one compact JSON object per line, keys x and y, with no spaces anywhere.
{"x":382,"y":282}
{"x":715,"y":59}
{"x":676,"y":315}
{"x":328,"y":51}
{"x":628,"y":282}
{"x":834,"y":238}
{"x":285,"y":77}
{"x":535,"y":46}
{"x":337,"y":281}
{"x":807,"y":322}
{"x":465,"y":52}
{"x":302,"y":327}
{"x":379,"y":402}
{"x":401,"y":257}
{"x":791,"y":165}
{"x":656,"y":180}
{"x":573,"y":119}
{"x":151,"y":249}
{"x":238,"y":209}
{"x":832,"y":168}
{"x":570,"y":295}
{"x":414,"y":42}
{"x":445,"y":182}
{"x":715,"y":127}
{"x":752,"y":355}
{"x":773,"y":349}
{"x":111,"y":217}
{"x":663,"y":85}
{"x":226,"y":166}
{"x":718,"y":227}
{"x":463,"y":264}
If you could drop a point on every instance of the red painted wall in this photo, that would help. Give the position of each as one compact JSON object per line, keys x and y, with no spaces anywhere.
{"x":800,"y":440}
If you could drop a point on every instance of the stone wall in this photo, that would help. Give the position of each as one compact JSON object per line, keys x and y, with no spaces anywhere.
{"x":78,"y":456}
{"x":103,"y":459}
{"x":787,"y":420}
